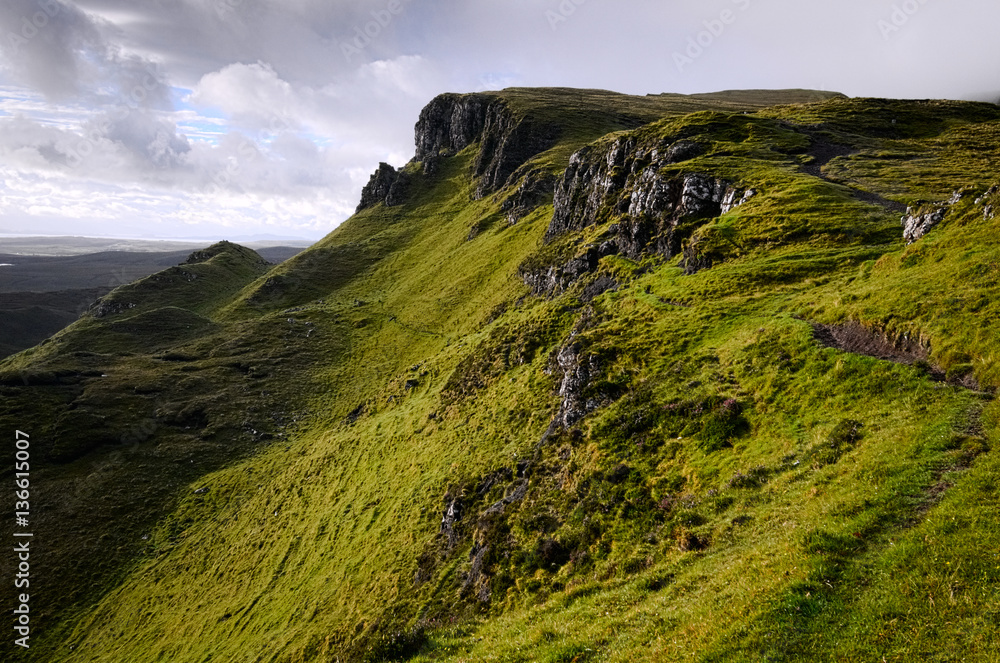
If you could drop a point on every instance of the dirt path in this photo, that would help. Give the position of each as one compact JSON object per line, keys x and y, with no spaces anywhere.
{"x":823,"y":152}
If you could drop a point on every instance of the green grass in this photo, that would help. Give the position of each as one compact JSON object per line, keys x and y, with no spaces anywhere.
{"x":269,"y":454}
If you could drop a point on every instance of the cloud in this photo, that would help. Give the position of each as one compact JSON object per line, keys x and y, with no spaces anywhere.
{"x":250,"y":94}
{"x":45,"y":42}
{"x":59,"y":50}
{"x":212,"y":114}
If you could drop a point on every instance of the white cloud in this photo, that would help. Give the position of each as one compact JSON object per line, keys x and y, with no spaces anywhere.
{"x":250,"y":94}
{"x":245,"y":115}
{"x":300,"y":165}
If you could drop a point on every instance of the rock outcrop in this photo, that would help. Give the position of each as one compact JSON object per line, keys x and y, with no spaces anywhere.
{"x":916,"y":225}
{"x":104,"y":308}
{"x":579,"y":368}
{"x":536,"y":190}
{"x":989,"y":208}
{"x":452,"y":122}
{"x":919,"y":221}
{"x":623,"y":179}
{"x":387,"y":185}
{"x":554,"y":279}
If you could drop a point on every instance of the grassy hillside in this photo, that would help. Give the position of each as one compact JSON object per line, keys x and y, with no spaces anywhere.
{"x":388,"y":448}
{"x":40,"y":294}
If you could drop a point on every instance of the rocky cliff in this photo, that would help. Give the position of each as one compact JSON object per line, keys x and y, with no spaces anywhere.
{"x":624,"y":179}
{"x":452,"y":122}
{"x":387,"y":185}
{"x":507,"y":139}
{"x":655,"y":210}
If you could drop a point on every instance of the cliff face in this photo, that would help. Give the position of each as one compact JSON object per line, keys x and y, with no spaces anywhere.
{"x":624,"y":178}
{"x":452,"y":122}
{"x":655,"y":212}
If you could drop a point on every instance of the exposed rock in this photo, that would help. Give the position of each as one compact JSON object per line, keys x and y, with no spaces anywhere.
{"x":919,"y":221}
{"x":916,"y":225}
{"x":989,"y":209}
{"x":500,"y":506}
{"x":102,"y":308}
{"x":683,"y":150}
{"x":476,"y":581}
{"x":449,"y":522}
{"x":554,"y":279}
{"x":623,"y":179}
{"x":379,"y":187}
{"x":586,"y":186}
{"x":600,"y":285}
{"x":579,"y":370}
{"x":508,"y":143}
{"x":736,"y":197}
{"x":431,"y":164}
{"x":399,"y":190}
{"x":452,"y":122}
{"x":535,"y":191}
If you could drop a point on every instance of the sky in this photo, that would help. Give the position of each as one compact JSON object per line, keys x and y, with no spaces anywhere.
{"x":242,"y":119}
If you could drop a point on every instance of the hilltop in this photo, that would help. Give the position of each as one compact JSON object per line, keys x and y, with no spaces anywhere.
{"x":47,"y":283}
{"x":592,"y":378}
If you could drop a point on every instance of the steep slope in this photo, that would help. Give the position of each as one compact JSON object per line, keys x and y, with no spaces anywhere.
{"x":567,"y":393}
{"x":128,"y":406}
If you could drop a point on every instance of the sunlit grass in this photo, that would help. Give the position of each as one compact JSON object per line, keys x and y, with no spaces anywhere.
{"x":739,"y":493}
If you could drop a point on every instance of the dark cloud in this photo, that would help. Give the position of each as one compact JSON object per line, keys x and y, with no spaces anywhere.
{"x":65,"y":53}
{"x":44,"y":44}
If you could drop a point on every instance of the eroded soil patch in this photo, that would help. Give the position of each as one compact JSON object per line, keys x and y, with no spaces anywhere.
{"x":856,"y":338}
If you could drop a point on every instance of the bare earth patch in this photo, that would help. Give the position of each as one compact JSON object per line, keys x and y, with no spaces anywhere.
{"x":856,"y":338}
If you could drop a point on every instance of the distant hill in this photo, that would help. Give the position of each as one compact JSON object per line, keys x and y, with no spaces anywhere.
{"x":40,"y":295}
{"x":594,"y":377}
{"x":71,"y":246}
